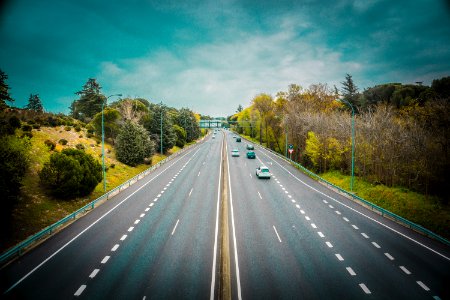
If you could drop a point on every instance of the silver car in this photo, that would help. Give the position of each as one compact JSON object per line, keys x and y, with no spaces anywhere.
{"x":235,"y":152}
{"x":263,"y":172}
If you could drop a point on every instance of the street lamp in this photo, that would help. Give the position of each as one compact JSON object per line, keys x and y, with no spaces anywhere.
{"x":161,"y":104}
{"x":103,"y":141}
{"x":353,"y":141}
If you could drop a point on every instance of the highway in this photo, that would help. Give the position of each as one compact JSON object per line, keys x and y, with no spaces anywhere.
{"x":290,"y":238}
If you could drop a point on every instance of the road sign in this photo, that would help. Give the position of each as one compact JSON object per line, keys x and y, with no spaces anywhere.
{"x":290,"y":151}
{"x":291,"y":146}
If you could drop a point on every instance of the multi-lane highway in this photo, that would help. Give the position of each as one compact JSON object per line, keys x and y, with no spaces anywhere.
{"x":289,"y":238}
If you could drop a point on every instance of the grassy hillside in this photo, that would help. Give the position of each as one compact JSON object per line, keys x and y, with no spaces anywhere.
{"x":36,"y":209}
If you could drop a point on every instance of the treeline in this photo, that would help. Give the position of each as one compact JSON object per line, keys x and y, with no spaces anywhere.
{"x":402,"y":131}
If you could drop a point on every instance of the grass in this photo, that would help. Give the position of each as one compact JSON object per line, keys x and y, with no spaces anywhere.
{"x":428,"y":211}
{"x":35,"y":209}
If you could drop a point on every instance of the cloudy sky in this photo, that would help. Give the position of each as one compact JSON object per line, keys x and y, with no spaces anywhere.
{"x":212,"y":55}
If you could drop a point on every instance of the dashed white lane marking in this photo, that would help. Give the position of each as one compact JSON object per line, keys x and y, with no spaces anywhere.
{"x":105,"y":259}
{"x":338,"y":212}
{"x":159,"y":195}
{"x":137,"y":221}
{"x":286,"y":192}
{"x":436,"y":298}
{"x":191,"y":192}
{"x":376,"y":245}
{"x":339,"y":257}
{"x":422,"y":285}
{"x":293,"y":201}
{"x":198,"y":174}
{"x":80,"y":290}
{"x":156,"y":199}
{"x":302,"y":211}
{"x":329,"y":244}
{"x":283,"y":188}
{"x":165,"y":188}
{"x":276,"y":232}
{"x":94,"y":273}
{"x":259,"y":195}
{"x":162,"y":192}
{"x":289,"y":196}
{"x":350,"y":270}
{"x":364,"y":235}
{"x":345,"y":219}
{"x":115,"y":247}
{"x":313,"y":226}
{"x":147,"y":209}
{"x":325,"y":201}
{"x":250,"y":175}
{"x":321,"y":234}
{"x":364,"y":288}
{"x":389,"y":256}
{"x":297,"y":205}
{"x":307,"y":218}
{"x":330,"y":206}
{"x":142,"y":215}
{"x":130,"y":229}
{"x":407,"y":272}
{"x":123,"y":237}
{"x":151,"y":204}
{"x":356,"y":227}
{"x":173,"y":231}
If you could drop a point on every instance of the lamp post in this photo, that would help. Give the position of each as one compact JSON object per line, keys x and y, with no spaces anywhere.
{"x":161,"y":104}
{"x":353,"y":142}
{"x":103,"y":141}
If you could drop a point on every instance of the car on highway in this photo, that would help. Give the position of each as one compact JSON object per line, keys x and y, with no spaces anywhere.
{"x":238,"y":139}
{"x":235,"y":152}
{"x":263,"y":172}
{"x":251,"y":154}
{"x":250,"y":147}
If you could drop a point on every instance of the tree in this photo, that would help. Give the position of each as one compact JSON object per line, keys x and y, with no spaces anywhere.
{"x":153,"y":125}
{"x":131,"y":109}
{"x":181,"y":136}
{"x":442,"y":87}
{"x":111,"y":118}
{"x":187,"y":120}
{"x":264,"y":105}
{"x":350,"y":90}
{"x":34,"y":103}
{"x":71,"y":173}
{"x":239,"y":109}
{"x":90,"y":102}
{"x":4,"y":91}
{"x":133,"y":144}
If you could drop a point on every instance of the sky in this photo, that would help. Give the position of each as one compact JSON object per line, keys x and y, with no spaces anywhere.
{"x":213,"y":55}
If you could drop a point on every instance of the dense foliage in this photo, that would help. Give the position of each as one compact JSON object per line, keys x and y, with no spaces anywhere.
{"x":90,"y":102}
{"x":71,"y":173}
{"x":133,"y":144}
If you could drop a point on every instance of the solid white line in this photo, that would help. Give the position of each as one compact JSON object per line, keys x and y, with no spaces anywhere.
{"x":216,"y":233}
{"x":137,"y":221}
{"x":362,"y":214}
{"x":259,"y":195}
{"x":142,"y":215}
{"x":364,"y":288}
{"x":356,"y":227}
{"x":376,"y":245}
{"x":313,"y":226}
{"x":364,"y":235}
{"x":405,"y":270}
{"x":422,"y":285}
{"x":238,"y":277}
{"x":80,"y":290}
{"x":123,"y":237}
{"x":190,"y":192}
{"x":389,"y":256}
{"x":173,"y":231}
{"x":339,"y":257}
{"x":276,"y":232}
{"x":130,"y":229}
{"x":350,"y":270}
{"x":329,"y":244}
{"x":115,"y":247}
{"x":94,"y":273}
{"x":95,"y":222}
{"x":105,"y":259}
{"x":321,"y":234}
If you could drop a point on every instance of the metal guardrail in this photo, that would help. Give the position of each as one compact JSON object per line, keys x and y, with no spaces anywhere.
{"x":374,"y":207}
{"x":21,"y":247}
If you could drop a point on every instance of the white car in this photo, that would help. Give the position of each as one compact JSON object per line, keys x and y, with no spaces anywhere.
{"x":263,"y":172}
{"x":235,"y":152}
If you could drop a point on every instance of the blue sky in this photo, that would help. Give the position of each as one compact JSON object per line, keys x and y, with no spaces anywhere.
{"x":212,"y":56}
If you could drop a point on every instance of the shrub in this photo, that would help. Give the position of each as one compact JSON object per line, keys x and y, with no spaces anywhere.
{"x":80,"y":146}
{"x":90,"y":129}
{"x":26,"y":127}
{"x":90,"y":135}
{"x":14,"y":122}
{"x":67,"y":128}
{"x":50,"y":144}
{"x":36,"y":126}
{"x":80,"y":136}
{"x":63,"y":141}
{"x":133,"y":144}
{"x":27,"y":134}
{"x":77,"y":128}
{"x":71,"y":173}
{"x":112,"y":166}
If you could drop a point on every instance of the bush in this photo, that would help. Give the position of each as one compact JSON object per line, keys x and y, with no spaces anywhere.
{"x":63,"y":141}
{"x":112,"y":166}
{"x":133,"y":144}
{"x":50,"y":144}
{"x":27,"y":134}
{"x":67,"y":128}
{"x":80,"y":146}
{"x":71,"y":173}
{"x":26,"y":127}
{"x":77,"y":128}
{"x":80,"y":136}
{"x":89,"y":135}
{"x":90,"y":129}
{"x":14,"y":122}
{"x":36,"y":126}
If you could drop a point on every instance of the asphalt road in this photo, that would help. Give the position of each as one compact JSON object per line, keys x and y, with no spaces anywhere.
{"x":295,"y":239}
{"x":156,"y":239}
{"x":290,"y":238}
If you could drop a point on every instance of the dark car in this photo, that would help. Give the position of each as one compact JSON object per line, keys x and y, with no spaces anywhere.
{"x":251,"y":154}
{"x":250,"y":147}
{"x":238,"y":139}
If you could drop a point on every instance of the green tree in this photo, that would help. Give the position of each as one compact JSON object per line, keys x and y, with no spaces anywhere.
{"x":111,"y":118}
{"x":181,"y":136}
{"x":263,"y":103}
{"x":186,"y":119}
{"x":4,"y":91}
{"x":71,"y":173}
{"x":90,"y":102}
{"x":133,"y":144}
{"x":153,"y":124}
{"x":35,"y":103}
{"x":350,"y":91}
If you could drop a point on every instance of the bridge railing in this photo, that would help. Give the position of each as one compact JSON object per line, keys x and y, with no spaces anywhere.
{"x":373,"y":207}
{"x":24,"y":245}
